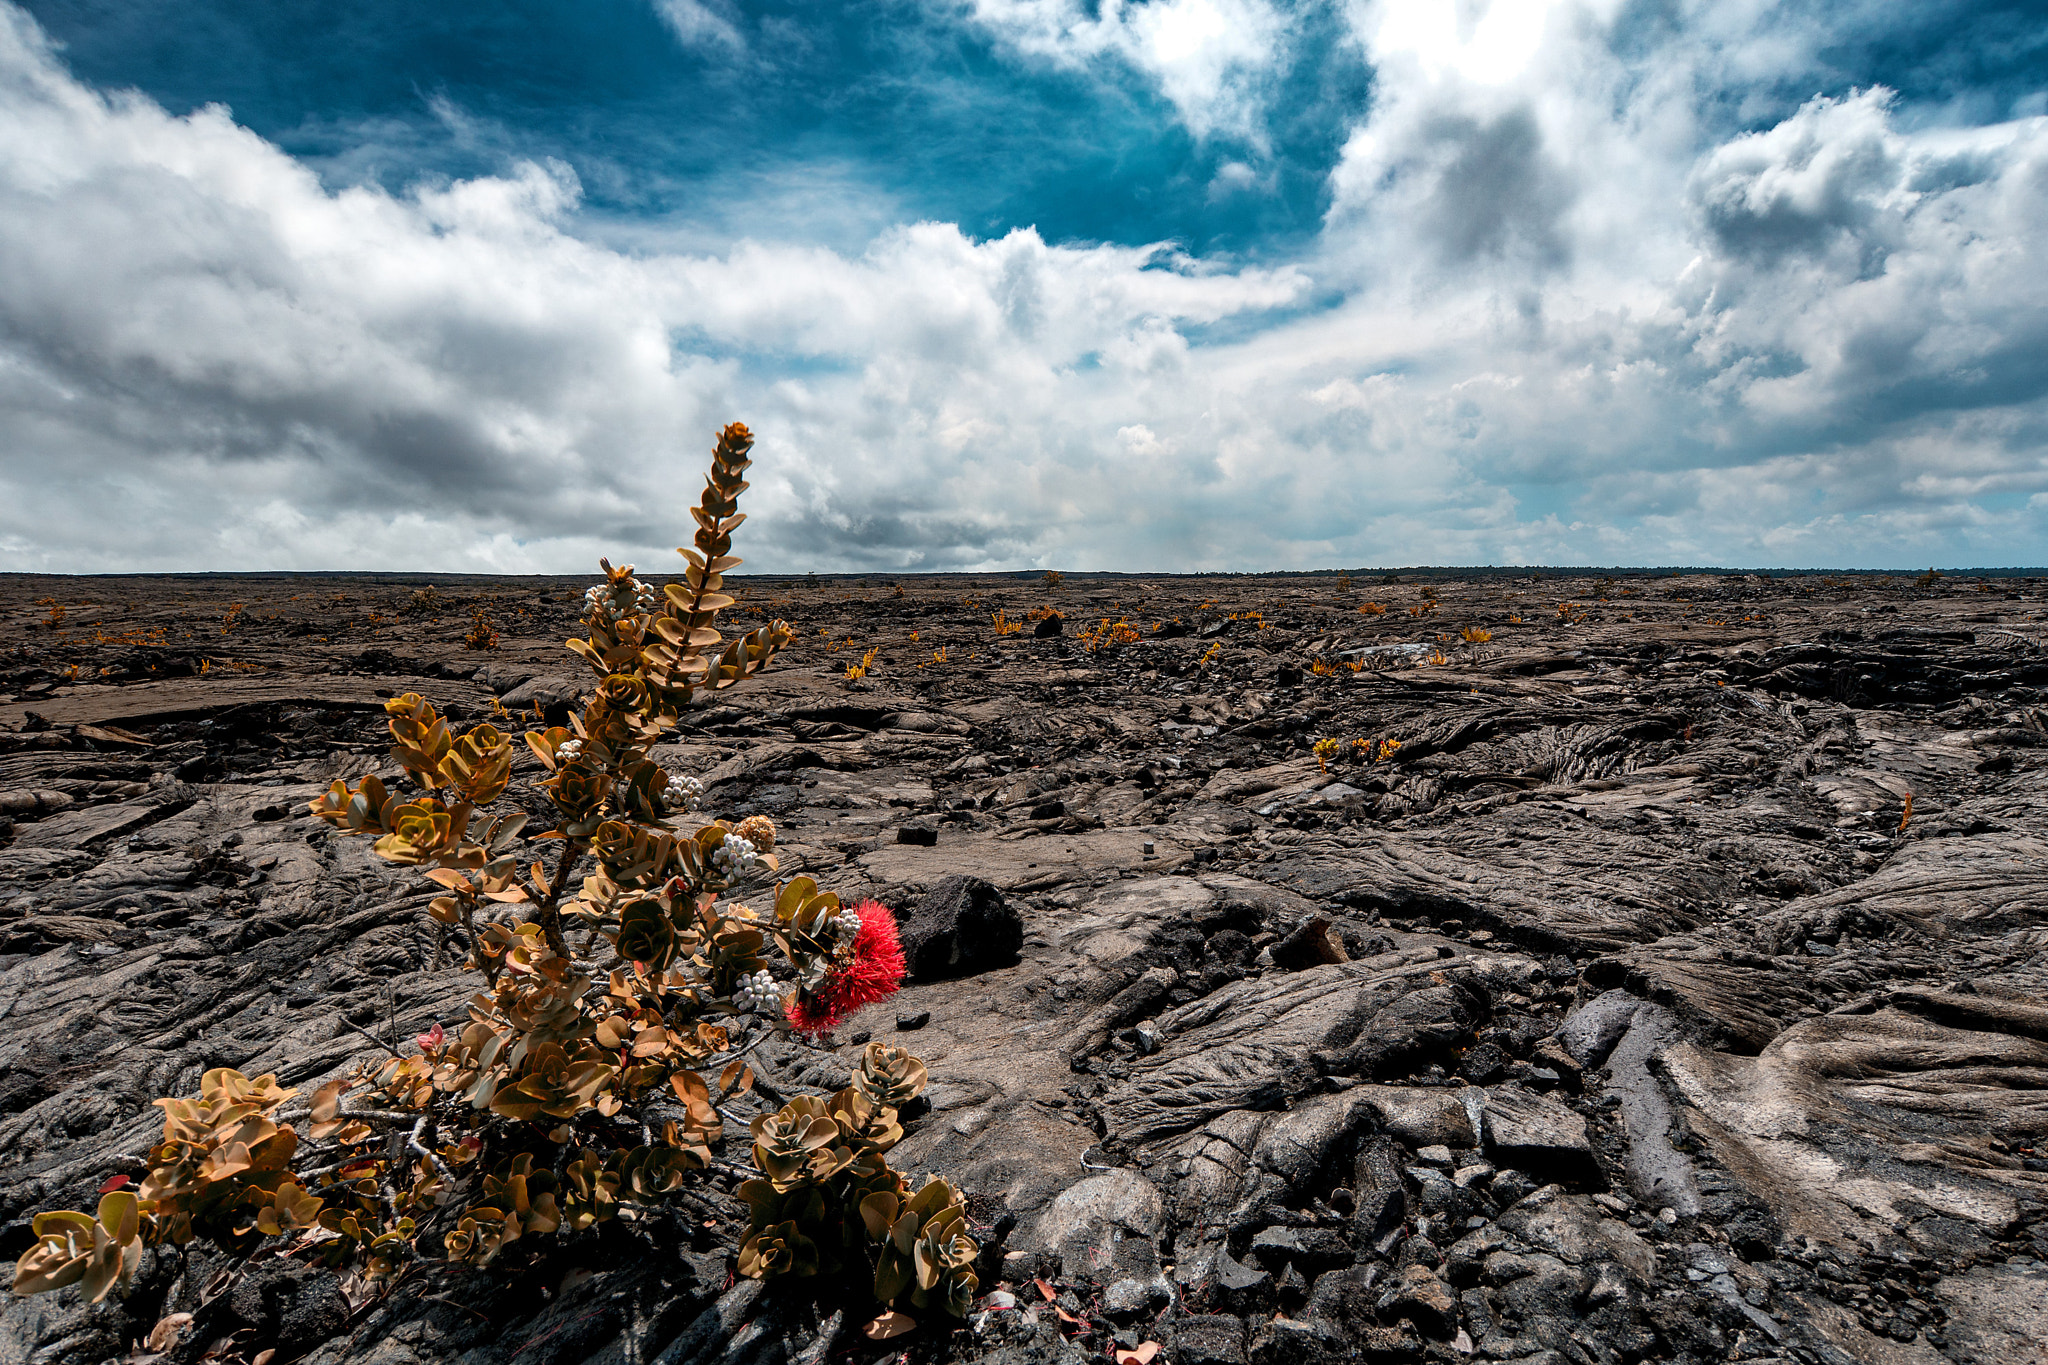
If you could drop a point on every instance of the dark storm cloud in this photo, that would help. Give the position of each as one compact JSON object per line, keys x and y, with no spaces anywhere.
{"x":1798,"y":190}
{"x":1495,"y":190}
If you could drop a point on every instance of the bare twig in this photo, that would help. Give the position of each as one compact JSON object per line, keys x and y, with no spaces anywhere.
{"x":412,"y":1141}
{"x":372,"y":1037}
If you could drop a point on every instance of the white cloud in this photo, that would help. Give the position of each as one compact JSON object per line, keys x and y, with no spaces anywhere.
{"x":1486,"y":43}
{"x":198,"y":337}
{"x":1856,"y":308}
{"x":1552,"y":317}
{"x":697,"y":23}
{"x":1210,"y":58}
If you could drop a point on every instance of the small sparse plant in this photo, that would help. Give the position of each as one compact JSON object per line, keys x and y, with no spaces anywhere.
{"x":1473,"y":635}
{"x":1325,"y":750}
{"x":424,"y":602}
{"x":483,"y":632}
{"x":1109,"y":635}
{"x":1004,"y":625}
{"x":1372,"y":609}
{"x":855,"y":672}
{"x":56,"y":616}
{"x":1053,"y":578}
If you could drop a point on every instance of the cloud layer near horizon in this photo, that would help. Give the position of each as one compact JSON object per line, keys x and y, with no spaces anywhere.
{"x":1573,"y":300}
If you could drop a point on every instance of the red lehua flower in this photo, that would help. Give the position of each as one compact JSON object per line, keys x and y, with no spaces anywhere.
{"x":874,"y":974}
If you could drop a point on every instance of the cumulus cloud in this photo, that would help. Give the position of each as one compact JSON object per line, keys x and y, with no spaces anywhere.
{"x":237,"y":367}
{"x":1572,"y":302}
{"x":1719,"y":344}
{"x":1213,"y":59}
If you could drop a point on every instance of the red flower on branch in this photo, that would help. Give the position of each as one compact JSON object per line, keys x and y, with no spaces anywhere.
{"x":875,"y":973}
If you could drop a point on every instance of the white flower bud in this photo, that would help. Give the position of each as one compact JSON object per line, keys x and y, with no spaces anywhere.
{"x":736,"y":856}
{"x":758,"y":993}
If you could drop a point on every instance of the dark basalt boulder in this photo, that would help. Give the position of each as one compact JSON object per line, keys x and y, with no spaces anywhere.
{"x":961,"y":927}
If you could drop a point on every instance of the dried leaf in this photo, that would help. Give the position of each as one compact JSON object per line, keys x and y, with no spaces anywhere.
{"x":1141,"y":1354}
{"x":890,"y":1324}
{"x":168,"y":1329}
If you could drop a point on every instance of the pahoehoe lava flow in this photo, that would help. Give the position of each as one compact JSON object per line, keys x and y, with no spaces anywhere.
{"x":1651,"y":968}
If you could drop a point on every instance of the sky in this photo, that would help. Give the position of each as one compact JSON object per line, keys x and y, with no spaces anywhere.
{"x":1137,"y":285}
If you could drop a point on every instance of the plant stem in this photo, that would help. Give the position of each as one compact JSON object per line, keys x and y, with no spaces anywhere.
{"x":550,"y":911}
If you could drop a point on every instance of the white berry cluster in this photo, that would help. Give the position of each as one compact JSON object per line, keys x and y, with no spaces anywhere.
{"x":844,"y":926}
{"x":735,"y":856}
{"x":682,"y":793}
{"x":567,"y":752}
{"x":758,"y":994}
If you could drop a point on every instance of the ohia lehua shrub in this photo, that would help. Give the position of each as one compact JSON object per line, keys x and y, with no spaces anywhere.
{"x":585,"y":1084}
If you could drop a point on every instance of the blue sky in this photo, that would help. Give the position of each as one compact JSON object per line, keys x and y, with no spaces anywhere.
{"x":1185,"y":284}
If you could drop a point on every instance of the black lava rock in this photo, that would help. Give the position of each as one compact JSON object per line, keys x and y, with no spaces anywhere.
{"x":1207,"y":1339}
{"x":961,"y":927}
{"x":1484,"y":1065}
